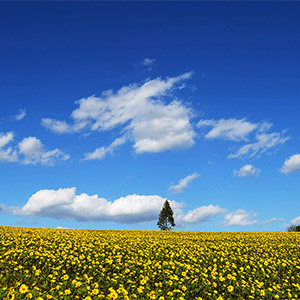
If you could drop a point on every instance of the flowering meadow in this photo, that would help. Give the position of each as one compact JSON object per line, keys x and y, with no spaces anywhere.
{"x":105,"y":264}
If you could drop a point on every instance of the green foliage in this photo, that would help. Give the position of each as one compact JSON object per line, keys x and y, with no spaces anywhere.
{"x":165,"y":219}
{"x":293,"y":228}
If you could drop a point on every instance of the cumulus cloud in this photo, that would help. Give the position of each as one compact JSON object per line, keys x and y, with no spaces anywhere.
{"x":241,"y":217}
{"x":29,"y":151}
{"x":296,"y":221}
{"x":228,"y":129}
{"x":264,"y":142}
{"x":291,"y":164}
{"x":198,"y":215}
{"x":7,"y":154}
{"x":65,"y":203}
{"x":34,"y":152}
{"x":183,"y":183}
{"x":140,"y":112}
{"x":20,"y":115}
{"x":102,"y":152}
{"x":247,"y":171}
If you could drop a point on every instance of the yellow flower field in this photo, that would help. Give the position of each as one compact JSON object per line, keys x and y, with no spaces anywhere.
{"x":103,"y":264}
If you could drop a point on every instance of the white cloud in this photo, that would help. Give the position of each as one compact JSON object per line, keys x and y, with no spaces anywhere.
{"x":238,"y":130}
{"x":183,"y":183}
{"x":148,"y":62}
{"x":60,"y":227}
{"x":241,"y":217}
{"x":30,"y":148}
{"x":272,"y":220}
{"x":57,"y":126}
{"x":291,"y":164}
{"x":296,"y":221}
{"x":7,"y":154}
{"x":264,"y":142}
{"x":228,"y":129}
{"x":34,"y":152}
{"x":102,"y":152}
{"x":20,"y":115}
{"x":246,"y":171}
{"x":198,"y":215}
{"x":140,"y":111}
{"x":62,"y":126}
{"x":6,"y":138}
{"x":64,"y":203}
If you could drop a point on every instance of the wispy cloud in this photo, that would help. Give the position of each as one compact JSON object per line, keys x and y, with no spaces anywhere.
{"x":291,"y":164}
{"x":241,"y":217}
{"x":102,"y":152}
{"x":20,"y":115}
{"x":183,"y":183}
{"x":240,"y":130}
{"x":140,"y":111}
{"x":149,"y":63}
{"x":247,"y":171}
{"x":264,"y":142}
{"x":7,"y":153}
{"x":61,"y":127}
{"x":228,"y":129}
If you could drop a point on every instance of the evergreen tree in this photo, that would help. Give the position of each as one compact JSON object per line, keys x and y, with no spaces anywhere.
{"x":293,"y":228}
{"x":165,"y":219}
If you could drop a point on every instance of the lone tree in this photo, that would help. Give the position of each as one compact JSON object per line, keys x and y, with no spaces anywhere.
{"x":293,"y":228}
{"x":165,"y":219}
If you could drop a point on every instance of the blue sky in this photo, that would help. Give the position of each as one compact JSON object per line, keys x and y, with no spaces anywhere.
{"x":109,"y":108}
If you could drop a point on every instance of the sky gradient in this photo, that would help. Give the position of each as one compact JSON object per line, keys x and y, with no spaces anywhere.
{"x":109,"y":108}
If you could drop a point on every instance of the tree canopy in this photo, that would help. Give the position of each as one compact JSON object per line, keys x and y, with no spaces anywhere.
{"x":293,"y":228}
{"x":165,"y":219}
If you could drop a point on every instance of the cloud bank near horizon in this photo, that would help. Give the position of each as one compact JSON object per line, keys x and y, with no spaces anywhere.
{"x":64,"y":203}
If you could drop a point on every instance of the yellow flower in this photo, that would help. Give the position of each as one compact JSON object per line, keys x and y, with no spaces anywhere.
{"x":67,"y":292}
{"x":29,"y":295}
{"x":230,"y":288}
{"x":95,"y":291}
{"x":23,"y":289}
{"x":152,"y":295}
